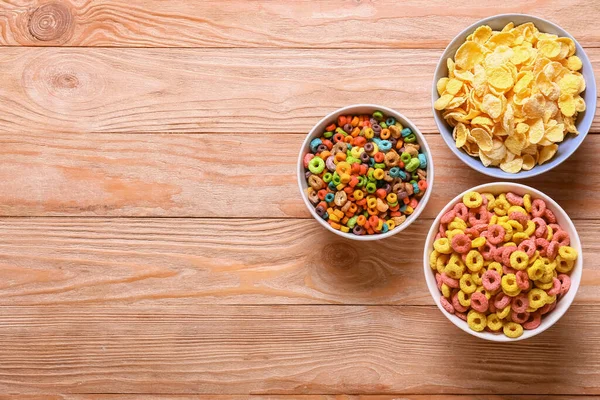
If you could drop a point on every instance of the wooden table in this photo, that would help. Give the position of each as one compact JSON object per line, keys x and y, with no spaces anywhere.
{"x":152,"y":238}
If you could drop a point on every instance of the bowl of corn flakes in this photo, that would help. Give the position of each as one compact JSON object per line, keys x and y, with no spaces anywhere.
{"x":514,"y":96}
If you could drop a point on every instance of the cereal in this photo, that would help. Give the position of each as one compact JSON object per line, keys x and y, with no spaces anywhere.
{"x":366,"y":174}
{"x":504,"y":262}
{"x":512,"y":95}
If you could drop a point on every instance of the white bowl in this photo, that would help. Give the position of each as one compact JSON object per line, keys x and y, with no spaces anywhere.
{"x":584,"y":120}
{"x":562,"y":219}
{"x":318,"y":130}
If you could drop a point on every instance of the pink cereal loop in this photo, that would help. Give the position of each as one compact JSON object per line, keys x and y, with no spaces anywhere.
{"x":514,"y":199}
{"x":538,"y":207}
{"x":501,"y":300}
{"x":480,"y":227}
{"x":541,"y":229}
{"x":479,"y":302}
{"x":555,"y":227}
{"x":508,"y":270}
{"x":550,"y":217}
{"x":472,"y":233}
{"x":545,"y":308}
{"x":541,"y":245}
{"x":442,"y":230}
{"x":565,"y":283}
{"x":535,"y":319}
{"x":555,"y":289}
{"x":519,"y":217}
{"x":479,"y":215}
{"x":552,"y":250}
{"x":453,"y":283}
{"x":461,"y":243}
{"x":523,"y":280}
{"x":446,"y":305}
{"x":506,"y":252}
{"x":461,"y":315}
{"x":438,"y":280}
{"x":437,"y":236}
{"x":491,"y":280}
{"x":520,"y":303}
{"x":448,"y":217}
{"x":496,"y":234}
{"x":307,"y":158}
{"x":487,"y":251}
{"x":456,"y":304}
{"x":491,"y":307}
{"x":528,"y":247}
{"x":461,"y":211}
{"x":498,"y":254}
{"x":520,"y":317}
{"x":562,"y":238}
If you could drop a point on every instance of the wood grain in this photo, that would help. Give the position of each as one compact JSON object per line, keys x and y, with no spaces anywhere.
{"x":75,"y":90}
{"x":251,"y":176}
{"x":285,"y":350}
{"x":186,"y":262}
{"x":240,"y":23}
{"x":291,"y":397}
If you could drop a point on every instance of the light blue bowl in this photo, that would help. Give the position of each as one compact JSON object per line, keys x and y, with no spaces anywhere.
{"x":584,"y":119}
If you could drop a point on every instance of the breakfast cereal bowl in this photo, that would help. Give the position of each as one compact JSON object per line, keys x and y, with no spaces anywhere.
{"x":499,"y":296}
{"x":421,"y":192}
{"x":571,"y":141}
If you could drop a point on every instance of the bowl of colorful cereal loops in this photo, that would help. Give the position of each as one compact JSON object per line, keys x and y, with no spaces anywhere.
{"x":503,"y":261}
{"x":365,"y":172}
{"x":514,"y":96}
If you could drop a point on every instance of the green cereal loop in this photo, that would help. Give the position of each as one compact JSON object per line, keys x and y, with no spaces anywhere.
{"x":383,"y":125}
{"x":328,"y":135}
{"x":412,"y":165}
{"x":361,"y":181}
{"x":352,"y":160}
{"x":378,"y":115}
{"x":336,"y":179}
{"x":327,"y":177}
{"x":410,"y":138}
{"x":341,"y":131}
{"x":316,"y":165}
{"x":405,"y":157}
{"x":371,"y":187}
{"x":370,"y":175}
{"x":379,"y":165}
{"x":351,"y":222}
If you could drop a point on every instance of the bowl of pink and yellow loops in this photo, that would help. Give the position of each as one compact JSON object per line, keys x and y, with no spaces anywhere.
{"x":503,"y":261}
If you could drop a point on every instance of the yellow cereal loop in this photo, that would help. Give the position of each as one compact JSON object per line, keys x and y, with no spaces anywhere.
{"x":530,"y":228}
{"x":536,"y":271}
{"x":494,"y":323}
{"x":550,"y":233}
{"x":512,"y":330}
{"x":452,"y":233}
{"x":484,"y":292}
{"x":440,"y":263}
{"x":446,"y":291}
{"x":478,"y":242}
{"x":550,"y":299}
{"x":519,"y":260}
{"x":490,"y":198}
{"x":501,"y":207}
{"x":518,"y":237}
{"x":433,"y":256}
{"x":534,"y":258}
{"x":472,"y":199}
{"x":563,"y":266}
{"x":509,"y":285}
{"x":467,"y":285}
{"x":454,"y":270}
{"x":493,"y":219}
{"x":464,"y":298}
{"x":497,"y":267}
{"x":477,"y":276}
{"x":503,"y":219}
{"x":567,"y":253}
{"x":516,"y":226}
{"x":527,"y":202}
{"x":517,"y":209}
{"x":457,"y":223}
{"x":476,"y":320}
{"x":504,"y":312}
{"x":474,"y":261}
{"x":442,"y":245}
{"x":544,"y":286}
{"x":509,"y":244}
{"x":537,"y":298}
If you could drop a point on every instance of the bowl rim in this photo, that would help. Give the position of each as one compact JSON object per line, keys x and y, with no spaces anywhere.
{"x":498,"y":337}
{"x":495,"y":172}
{"x":422,"y":141}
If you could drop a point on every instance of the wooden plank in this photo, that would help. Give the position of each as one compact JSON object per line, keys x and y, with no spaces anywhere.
{"x":217,"y":176}
{"x":240,"y":23}
{"x":285,"y":350}
{"x":209,"y":90}
{"x":291,"y":397}
{"x":186,"y":262}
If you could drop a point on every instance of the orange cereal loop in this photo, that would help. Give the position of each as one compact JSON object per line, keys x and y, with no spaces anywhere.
{"x":361,"y":220}
{"x":340,"y":157}
{"x":355,"y":132}
{"x":381,"y":193}
{"x":341,"y":120}
{"x":355,"y":121}
{"x":348,"y":139}
{"x":360,"y":141}
{"x":330,"y":128}
{"x":334,"y":225}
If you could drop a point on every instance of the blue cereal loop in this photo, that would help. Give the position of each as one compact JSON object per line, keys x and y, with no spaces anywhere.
{"x":314,"y":144}
{"x":416,"y":187}
{"x":402,"y":175}
{"x":405,"y":132}
{"x":329,"y":197}
{"x":385,"y":228}
{"x":384,"y":145}
{"x":403,"y":208}
{"x":395,"y":172}
{"x":423,"y":161}
{"x":325,"y":216}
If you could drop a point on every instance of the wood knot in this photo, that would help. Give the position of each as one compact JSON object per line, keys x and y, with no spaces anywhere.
{"x":50,"y":22}
{"x":66,"y":81}
{"x":340,"y":255}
